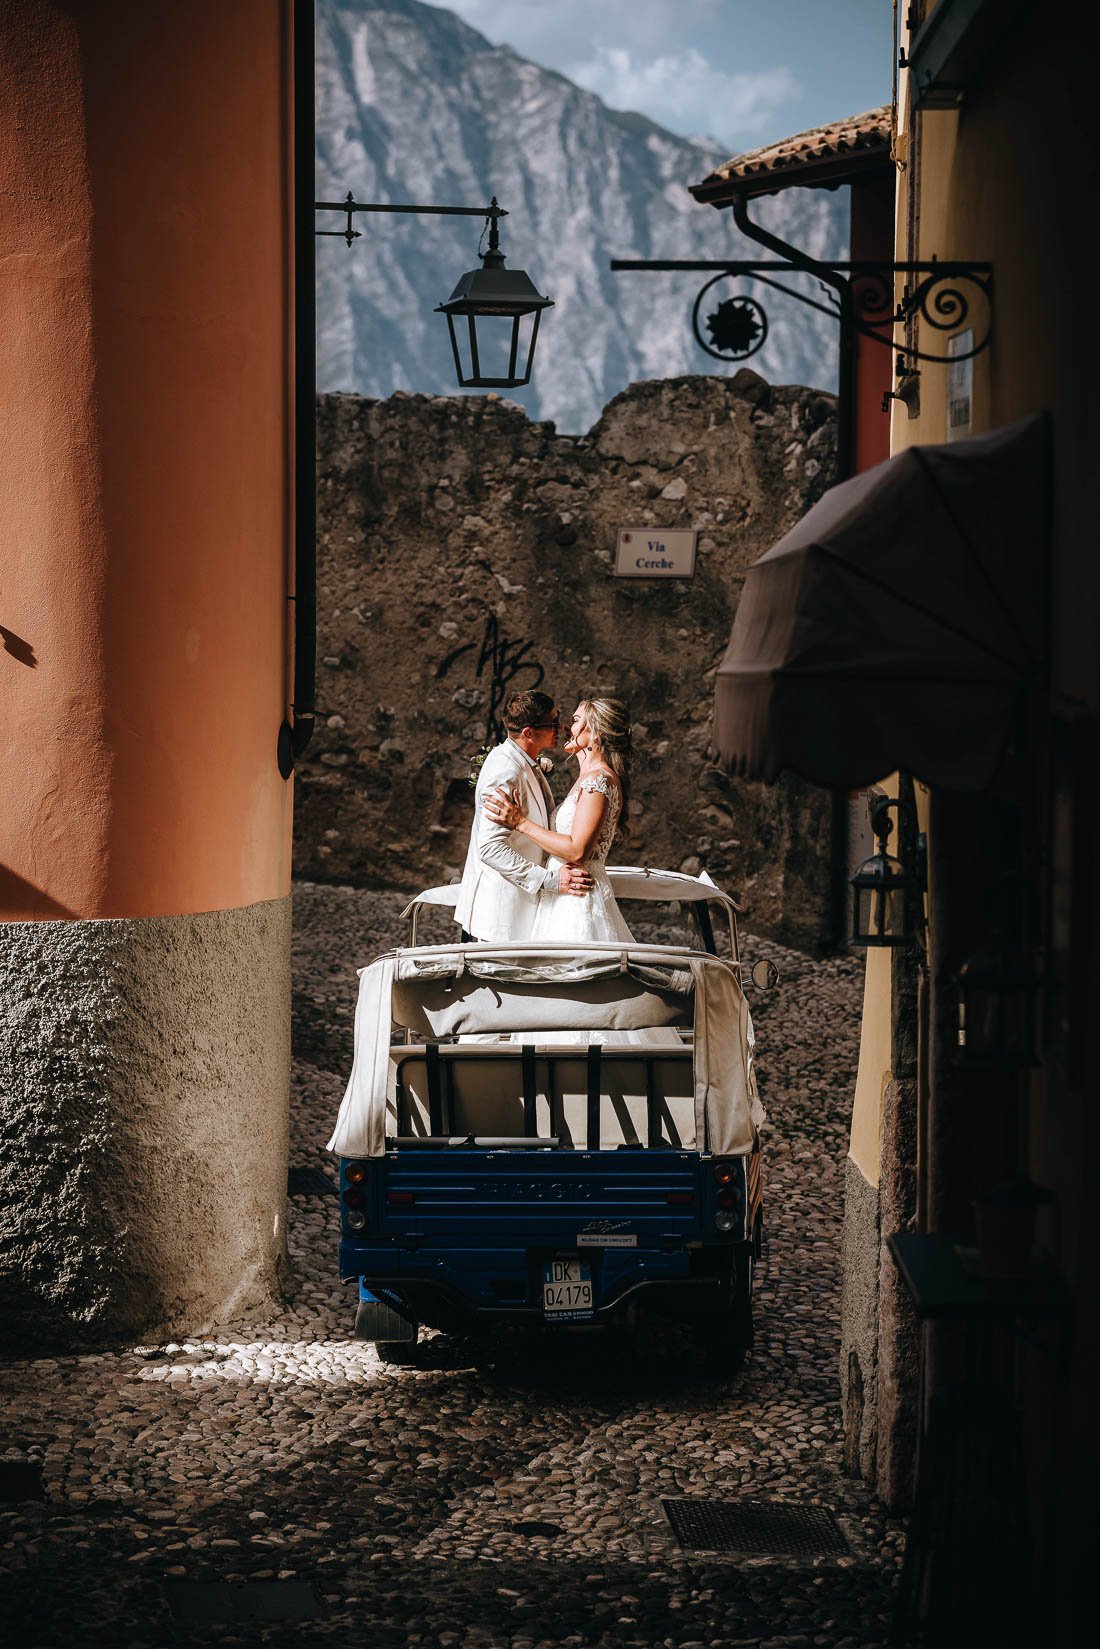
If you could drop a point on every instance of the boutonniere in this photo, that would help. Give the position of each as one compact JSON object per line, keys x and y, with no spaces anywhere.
{"x":546,"y":765}
{"x":477,"y":763}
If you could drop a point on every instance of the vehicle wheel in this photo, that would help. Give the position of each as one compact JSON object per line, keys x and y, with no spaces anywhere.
{"x":727,"y":1339}
{"x":398,"y":1353}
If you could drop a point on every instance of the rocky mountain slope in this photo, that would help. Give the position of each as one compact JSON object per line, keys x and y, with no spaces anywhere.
{"x":414,"y":105}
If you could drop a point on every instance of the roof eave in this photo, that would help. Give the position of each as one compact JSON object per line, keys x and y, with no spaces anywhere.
{"x":823,"y":172}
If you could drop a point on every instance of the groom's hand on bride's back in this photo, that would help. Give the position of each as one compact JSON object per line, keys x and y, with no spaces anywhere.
{"x":574,"y":879}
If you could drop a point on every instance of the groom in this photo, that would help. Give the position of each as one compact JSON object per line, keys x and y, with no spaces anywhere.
{"x":505,"y":871}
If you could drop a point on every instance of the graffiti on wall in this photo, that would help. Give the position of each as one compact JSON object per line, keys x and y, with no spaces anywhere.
{"x":503,"y":665}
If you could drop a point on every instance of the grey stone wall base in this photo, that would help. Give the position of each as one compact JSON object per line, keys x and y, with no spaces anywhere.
{"x":899,"y":1333}
{"x":144,"y":1085}
{"x":859,"y":1324}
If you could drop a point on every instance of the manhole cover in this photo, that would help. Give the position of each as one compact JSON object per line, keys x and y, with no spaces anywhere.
{"x":21,"y":1480}
{"x":199,"y":1602}
{"x":757,"y":1528}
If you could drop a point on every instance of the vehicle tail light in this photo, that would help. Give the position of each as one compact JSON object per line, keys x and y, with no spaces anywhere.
{"x":353,"y":1197}
{"x":355,"y":1172}
{"x":724,"y":1172}
{"x":355,"y":1219}
{"x":727,"y":1199}
{"x":724,"y":1220}
{"x":678,"y":1199}
{"x":399,"y":1199}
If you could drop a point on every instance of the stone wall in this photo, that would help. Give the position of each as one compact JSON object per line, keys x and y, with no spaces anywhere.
{"x":144,"y":1071}
{"x":465,"y":552}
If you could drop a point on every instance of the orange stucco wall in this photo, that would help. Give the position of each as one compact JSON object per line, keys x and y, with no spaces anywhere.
{"x":145,"y":425}
{"x":872,"y":240}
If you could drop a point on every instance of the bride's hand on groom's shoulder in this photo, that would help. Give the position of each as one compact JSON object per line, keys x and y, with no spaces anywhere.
{"x":501,"y":807}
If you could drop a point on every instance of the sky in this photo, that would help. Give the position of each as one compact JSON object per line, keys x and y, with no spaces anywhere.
{"x":743,"y":72}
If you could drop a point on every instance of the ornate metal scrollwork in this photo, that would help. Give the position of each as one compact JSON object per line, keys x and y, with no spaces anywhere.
{"x":949,"y":298}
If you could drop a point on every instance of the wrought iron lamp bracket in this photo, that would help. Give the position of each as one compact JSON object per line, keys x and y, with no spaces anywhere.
{"x":349,"y":206}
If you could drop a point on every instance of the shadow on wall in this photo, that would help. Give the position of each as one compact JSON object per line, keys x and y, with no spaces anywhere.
{"x":465,"y":553}
{"x":18,"y":648}
{"x":20,"y":900}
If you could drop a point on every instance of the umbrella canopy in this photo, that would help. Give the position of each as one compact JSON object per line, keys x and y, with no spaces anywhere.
{"x":897,"y":625}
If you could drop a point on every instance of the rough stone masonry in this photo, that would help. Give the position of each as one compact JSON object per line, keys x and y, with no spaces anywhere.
{"x":465,"y":552}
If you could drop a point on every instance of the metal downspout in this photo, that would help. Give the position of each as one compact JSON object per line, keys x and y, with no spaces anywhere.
{"x":294,"y":735}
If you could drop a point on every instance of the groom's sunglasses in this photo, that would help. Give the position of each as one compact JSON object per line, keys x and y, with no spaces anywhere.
{"x":541,"y":724}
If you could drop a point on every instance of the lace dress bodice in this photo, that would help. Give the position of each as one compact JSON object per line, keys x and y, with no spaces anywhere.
{"x":601,"y":785}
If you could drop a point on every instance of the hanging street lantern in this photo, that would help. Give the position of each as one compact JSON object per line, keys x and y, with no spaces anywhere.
{"x":499,"y":355}
{"x":883,"y":886}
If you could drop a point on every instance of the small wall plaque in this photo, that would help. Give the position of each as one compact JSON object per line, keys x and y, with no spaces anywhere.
{"x":960,"y":385}
{"x":655,"y":552}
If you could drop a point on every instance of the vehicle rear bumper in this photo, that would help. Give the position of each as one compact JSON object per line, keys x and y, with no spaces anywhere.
{"x":462,"y":1290}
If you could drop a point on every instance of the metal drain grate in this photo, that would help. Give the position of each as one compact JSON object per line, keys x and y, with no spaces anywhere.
{"x":309,"y":1182}
{"x":756,"y":1528}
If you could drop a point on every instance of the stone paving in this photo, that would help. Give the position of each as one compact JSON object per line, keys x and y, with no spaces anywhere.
{"x":497,"y":1493}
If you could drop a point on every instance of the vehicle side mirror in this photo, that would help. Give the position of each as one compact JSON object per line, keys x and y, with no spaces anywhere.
{"x":764,"y":974}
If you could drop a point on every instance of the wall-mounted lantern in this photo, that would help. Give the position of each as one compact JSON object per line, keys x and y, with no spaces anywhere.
{"x":500,"y":353}
{"x":885,"y":888}
{"x":996,"y":990}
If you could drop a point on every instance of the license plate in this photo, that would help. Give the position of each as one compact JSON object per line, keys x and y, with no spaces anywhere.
{"x":567,"y":1291}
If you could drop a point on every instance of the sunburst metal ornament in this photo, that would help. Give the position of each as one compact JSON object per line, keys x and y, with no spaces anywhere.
{"x":737,"y":328}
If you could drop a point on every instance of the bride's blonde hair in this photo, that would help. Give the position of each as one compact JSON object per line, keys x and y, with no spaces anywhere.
{"x":608,"y":721}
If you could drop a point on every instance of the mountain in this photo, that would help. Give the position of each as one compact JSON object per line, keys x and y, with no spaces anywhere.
{"x":415,"y":106}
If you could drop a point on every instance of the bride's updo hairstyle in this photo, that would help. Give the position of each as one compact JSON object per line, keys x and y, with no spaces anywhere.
{"x":608,"y":721}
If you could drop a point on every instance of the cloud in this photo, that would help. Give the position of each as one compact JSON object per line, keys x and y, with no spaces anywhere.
{"x":645,"y":55}
{"x":684,"y":87}
{"x":555,"y":29}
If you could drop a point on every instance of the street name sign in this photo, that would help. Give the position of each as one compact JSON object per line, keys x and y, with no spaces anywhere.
{"x":655,"y":552}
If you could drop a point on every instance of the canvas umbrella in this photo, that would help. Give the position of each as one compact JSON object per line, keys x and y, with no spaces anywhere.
{"x":899,"y":624}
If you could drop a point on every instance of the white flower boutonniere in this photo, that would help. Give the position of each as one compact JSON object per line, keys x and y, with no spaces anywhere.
{"x":477,"y":763}
{"x":546,"y":765}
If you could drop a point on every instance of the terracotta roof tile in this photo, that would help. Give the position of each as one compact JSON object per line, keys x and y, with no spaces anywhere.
{"x":825,"y":156}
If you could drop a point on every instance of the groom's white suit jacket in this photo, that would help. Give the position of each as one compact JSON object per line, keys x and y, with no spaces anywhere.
{"x":505,"y":871}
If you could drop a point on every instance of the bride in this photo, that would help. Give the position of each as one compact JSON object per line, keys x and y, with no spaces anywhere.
{"x":584,"y":825}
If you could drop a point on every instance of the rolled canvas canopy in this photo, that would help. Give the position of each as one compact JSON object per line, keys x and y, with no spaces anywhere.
{"x":491,"y":990}
{"x":897,"y":624}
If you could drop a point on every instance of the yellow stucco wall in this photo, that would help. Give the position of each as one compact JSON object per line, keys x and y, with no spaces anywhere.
{"x":1010,"y":178}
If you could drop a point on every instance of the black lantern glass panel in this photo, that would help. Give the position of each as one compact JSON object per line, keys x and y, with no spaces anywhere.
{"x":493,"y":318}
{"x":996,"y":992}
{"x":880,"y":902}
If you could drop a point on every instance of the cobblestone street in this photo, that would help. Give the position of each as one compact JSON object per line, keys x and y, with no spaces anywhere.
{"x":498,"y":1493}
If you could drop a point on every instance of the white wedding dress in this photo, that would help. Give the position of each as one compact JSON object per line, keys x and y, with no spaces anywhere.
{"x":567,"y":919}
{"x":564,"y":917}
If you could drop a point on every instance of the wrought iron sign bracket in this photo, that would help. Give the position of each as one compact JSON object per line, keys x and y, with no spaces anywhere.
{"x":944,"y":293}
